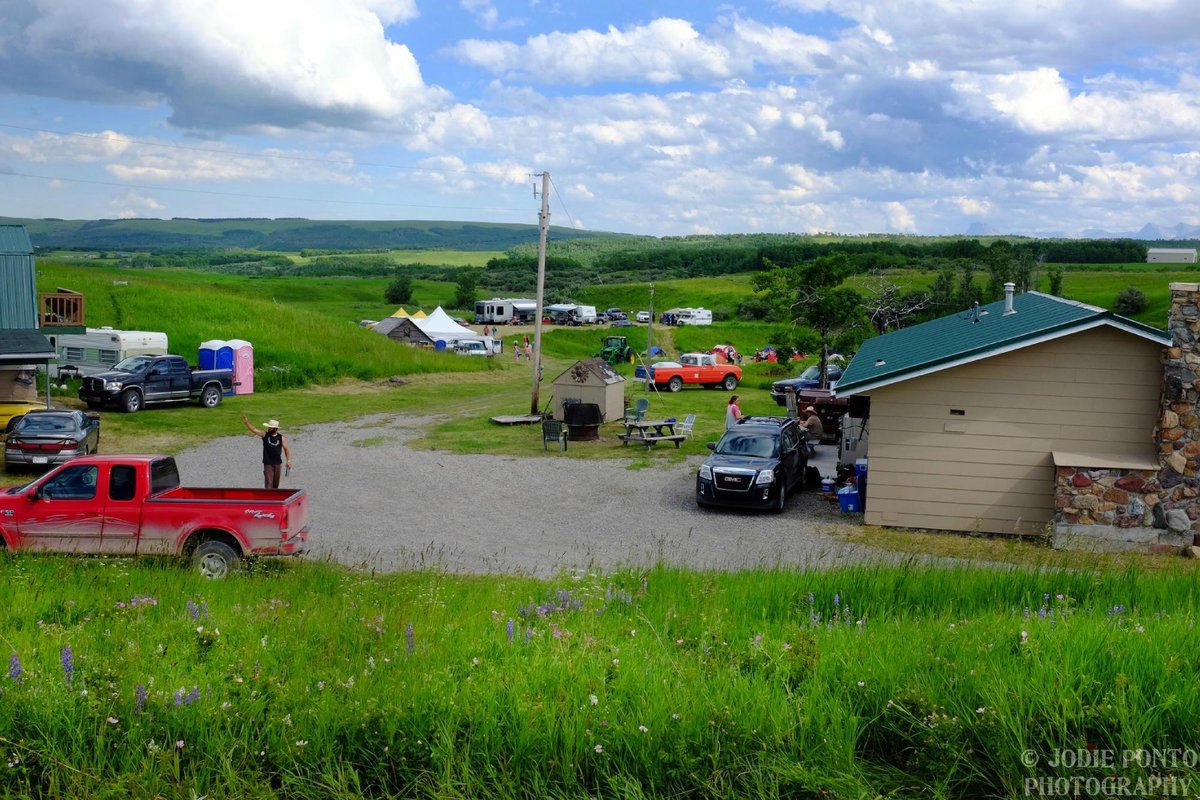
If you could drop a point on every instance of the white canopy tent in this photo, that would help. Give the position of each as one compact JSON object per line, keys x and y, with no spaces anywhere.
{"x":438,"y":326}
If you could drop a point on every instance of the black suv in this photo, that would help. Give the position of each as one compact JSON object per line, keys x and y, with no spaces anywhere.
{"x":755,"y":464}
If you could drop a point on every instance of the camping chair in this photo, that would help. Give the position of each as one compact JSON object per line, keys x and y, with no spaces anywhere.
{"x":553,"y":431}
{"x":686,"y":426}
{"x":638,"y":411}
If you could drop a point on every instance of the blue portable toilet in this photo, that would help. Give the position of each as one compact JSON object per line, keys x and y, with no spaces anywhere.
{"x":207,"y":358}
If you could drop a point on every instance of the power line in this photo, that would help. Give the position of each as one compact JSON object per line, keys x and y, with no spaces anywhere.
{"x":249,"y":196}
{"x":562,"y":203}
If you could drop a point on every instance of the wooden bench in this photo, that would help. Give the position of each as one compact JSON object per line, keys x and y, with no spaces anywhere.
{"x":652,"y":440}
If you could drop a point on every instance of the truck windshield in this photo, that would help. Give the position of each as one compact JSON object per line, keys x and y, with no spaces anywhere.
{"x":133,"y":364}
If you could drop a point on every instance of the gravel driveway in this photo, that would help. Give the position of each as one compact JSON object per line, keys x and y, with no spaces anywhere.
{"x":375,"y":502}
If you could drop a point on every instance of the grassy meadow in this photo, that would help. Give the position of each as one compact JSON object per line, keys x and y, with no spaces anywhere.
{"x":310,"y":681}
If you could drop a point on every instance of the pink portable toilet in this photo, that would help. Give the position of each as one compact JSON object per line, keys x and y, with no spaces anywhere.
{"x":243,"y":366}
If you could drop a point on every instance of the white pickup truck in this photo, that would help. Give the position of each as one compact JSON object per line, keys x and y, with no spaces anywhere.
{"x":471,"y":347}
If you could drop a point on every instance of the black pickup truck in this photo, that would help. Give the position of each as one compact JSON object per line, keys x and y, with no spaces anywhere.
{"x":140,"y":380}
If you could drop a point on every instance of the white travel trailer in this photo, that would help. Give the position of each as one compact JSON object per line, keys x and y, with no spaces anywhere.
{"x":694,"y":316}
{"x":502,"y":311}
{"x":100,"y":348}
{"x":586,"y":315}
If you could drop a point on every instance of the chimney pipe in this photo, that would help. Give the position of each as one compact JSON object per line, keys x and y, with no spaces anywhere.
{"x":1008,"y":298}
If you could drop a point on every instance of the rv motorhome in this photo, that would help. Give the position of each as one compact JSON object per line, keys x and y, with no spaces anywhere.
{"x":97,"y":350}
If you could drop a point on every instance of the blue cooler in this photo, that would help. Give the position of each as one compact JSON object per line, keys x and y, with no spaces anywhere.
{"x":860,"y":471}
{"x":848,"y":499}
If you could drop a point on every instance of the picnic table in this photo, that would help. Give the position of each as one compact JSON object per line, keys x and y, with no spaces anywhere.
{"x":650,"y":432}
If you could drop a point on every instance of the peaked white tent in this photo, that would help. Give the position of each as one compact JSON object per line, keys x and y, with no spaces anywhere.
{"x":438,"y":326}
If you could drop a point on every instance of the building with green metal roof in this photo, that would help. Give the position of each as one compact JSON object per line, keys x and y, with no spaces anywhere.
{"x":977,"y":333}
{"x":970,"y":413}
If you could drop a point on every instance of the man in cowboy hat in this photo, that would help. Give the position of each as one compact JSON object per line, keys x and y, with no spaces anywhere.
{"x":275,"y":451}
{"x":813,"y":427}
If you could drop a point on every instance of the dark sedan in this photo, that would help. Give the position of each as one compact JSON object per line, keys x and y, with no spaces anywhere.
{"x":755,"y":464}
{"x":46,"y":437}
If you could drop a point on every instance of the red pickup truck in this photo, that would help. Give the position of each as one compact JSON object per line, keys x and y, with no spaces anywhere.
{"x":696,"y":368}
{"x":134,"y":505}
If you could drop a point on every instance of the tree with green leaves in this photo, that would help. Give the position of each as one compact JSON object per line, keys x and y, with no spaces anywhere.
{"x":811,"y":296}
{"x":464,"y":292}
{"x":399,"y":291}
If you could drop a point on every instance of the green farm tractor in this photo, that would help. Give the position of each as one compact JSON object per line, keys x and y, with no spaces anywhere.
{"x":616,"y":350}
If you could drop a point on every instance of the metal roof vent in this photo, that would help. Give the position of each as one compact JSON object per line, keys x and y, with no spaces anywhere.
{"x":1008,"y":298}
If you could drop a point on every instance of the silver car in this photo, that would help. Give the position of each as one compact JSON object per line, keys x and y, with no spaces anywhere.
{"x":47,"y":437}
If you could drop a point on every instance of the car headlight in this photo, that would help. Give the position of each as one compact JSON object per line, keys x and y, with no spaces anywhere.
{"x":764,"y":477}
{"x":113,"y":386}
{"x":706,"y":472}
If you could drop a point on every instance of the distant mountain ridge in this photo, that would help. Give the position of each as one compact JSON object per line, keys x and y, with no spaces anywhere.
{"x":1147,"y":233}
{"x":286,"y":235}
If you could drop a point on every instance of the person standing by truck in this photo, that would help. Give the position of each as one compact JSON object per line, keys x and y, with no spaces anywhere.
{"x":732,"y":413}
{"x":275,"y":451}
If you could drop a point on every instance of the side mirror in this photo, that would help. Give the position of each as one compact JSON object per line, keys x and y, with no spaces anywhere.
{"x":712,"y":446}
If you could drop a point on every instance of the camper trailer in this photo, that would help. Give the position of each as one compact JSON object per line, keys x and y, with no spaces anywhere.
{"x":501,"y":312}
{"x":82,"y":354}
{"x":694,"y":316}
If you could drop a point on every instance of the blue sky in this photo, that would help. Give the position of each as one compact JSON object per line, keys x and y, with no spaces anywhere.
{"x":1055,"y":117}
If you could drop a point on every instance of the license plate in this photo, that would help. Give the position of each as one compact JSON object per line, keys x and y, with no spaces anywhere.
{"x":40,"y":460}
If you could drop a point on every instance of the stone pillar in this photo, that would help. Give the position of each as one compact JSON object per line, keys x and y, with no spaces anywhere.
{"x":1177,"y":435}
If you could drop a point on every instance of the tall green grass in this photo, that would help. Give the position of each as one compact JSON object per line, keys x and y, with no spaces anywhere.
{"x":300,"y":328}
{"x":315,"y":681}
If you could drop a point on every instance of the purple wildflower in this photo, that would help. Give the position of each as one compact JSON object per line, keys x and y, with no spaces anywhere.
{"x":410,"y":638}
{"x":139,"y":698}
{"x":178,"y":697}
{"x":193,"y":609}
{"x":528,"y":633}
{"x":14,"y":668}
{"x":68,"y":663}
{"x":509,"y":630}
{"x":193,"y":696}
{"x":204,"y":608}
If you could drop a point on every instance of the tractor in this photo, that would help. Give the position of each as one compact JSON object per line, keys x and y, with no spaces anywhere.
{"x":616,"y":350}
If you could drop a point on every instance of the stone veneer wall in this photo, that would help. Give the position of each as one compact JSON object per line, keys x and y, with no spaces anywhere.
{"x":1150,"y":506}
{"x":1120,"y":497}
{"x":1178,"y":432}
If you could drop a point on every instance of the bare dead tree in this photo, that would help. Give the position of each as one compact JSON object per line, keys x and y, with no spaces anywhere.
{"x":886,"y":304}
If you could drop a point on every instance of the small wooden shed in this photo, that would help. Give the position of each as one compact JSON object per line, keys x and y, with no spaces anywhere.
{"x":591,"y":380}
{"x":403,"y":329}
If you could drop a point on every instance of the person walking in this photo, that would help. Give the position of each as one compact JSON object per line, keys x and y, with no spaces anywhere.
{"x":275,"y":451}
{"x":528,"y":350}
{"x":516,"y":352}
{"x":732,"y":412}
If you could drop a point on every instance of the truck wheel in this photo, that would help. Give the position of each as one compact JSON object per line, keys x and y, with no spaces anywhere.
{"x":210,"y":397}
{"x":729,"y":384}
{"x":215,"y":559}
{"x":675,"y":384}
{"x":131,"y":401}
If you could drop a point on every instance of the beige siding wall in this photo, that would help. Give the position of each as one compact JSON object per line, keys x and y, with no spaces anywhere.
{"x":990,"y":468}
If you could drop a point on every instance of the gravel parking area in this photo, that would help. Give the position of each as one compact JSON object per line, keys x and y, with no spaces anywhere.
{"x":377,"y":503}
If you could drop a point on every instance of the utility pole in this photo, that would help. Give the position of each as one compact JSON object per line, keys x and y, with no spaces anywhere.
{"x":649,"y":337}
{"x":543,"y":229}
